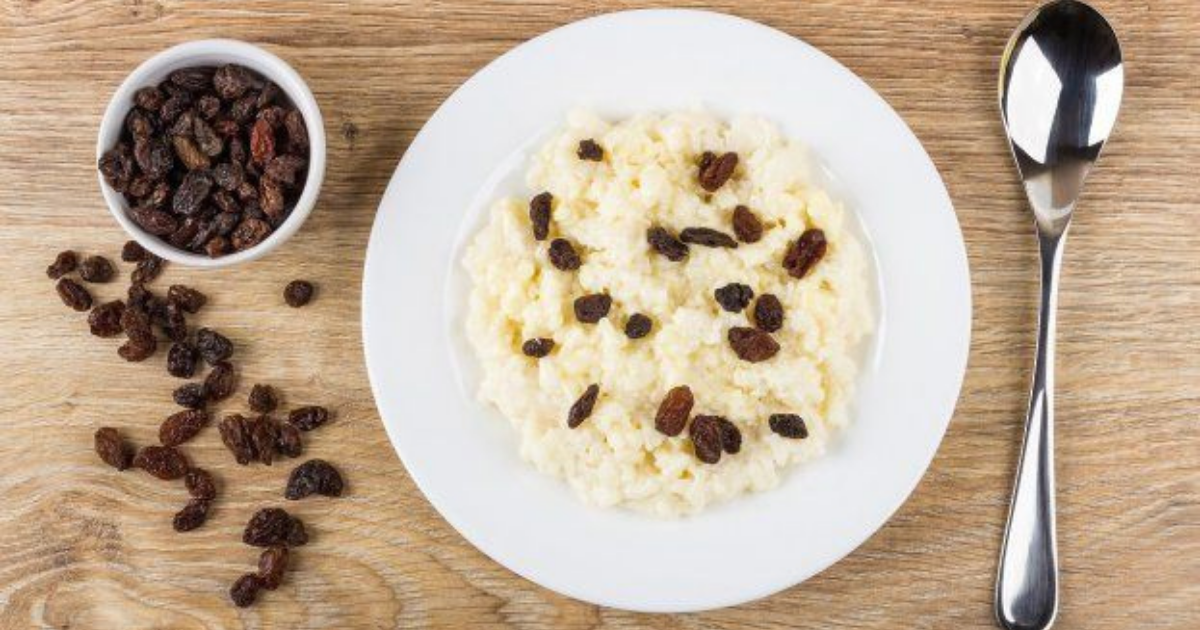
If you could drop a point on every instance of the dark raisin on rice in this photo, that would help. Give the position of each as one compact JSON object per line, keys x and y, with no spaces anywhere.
{"x":590,"y":151}
{"x":638,"y":326}
{"x":788,"y":425}
{"x":582,"y":408}
{"x":537,"y":347}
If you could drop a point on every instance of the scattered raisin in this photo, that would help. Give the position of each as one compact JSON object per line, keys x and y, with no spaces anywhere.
{"x":590,"y":309}
{"x":788,"y":425}
{"x":539,"y":215}
{"x":147,"y":269}
{"x":674,"y":410}
{"x":163,"y":462}
{"x":138,"y":349}
{"x":263,"y":435}
{"x":537,"y":347}
{"x":63,"y":264}
{"x":181,"y":426}
{"x":768,"y":313}
{"x":589,"y":150}
{"x":220,"y":381}
{"x":705,"y":432}
{"x":664,"y":243}
{"x":190,"y":395}
{"x":751,"y":344}
{"x":714,"y":171}
{"x":582,"y":408}
{"x":186,"y":298}
{"x":174,"y":323}
{"x":271,"y":527}
{"x":315,"y":476}
{"x":200,"y":485}
{"x":563,"y":255}
{"x":731,"y":437}
{"x":235,"y":435}
{"x":734,"y":296}
{"x":297,"y":293}
{"x":746,"y":225}
{"x":287,"y":440}
{"x":271,"y":565}
{"x":245,"y":590}
{"x":308,"y":418}
{"x":192,"y":515}
{"x":181,"y":360}
{"x":638,"y":326}
{"x":105,"y":319}
{"x":262,"y":398}
{"x":213,"y":346}
{"x":112,"y":449}
{"x":73,"y":294}
{"x":803,"y":254}
{"x":707,"y":237}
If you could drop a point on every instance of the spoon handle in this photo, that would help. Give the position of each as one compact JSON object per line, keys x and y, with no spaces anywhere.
{"x":1027,"y":582}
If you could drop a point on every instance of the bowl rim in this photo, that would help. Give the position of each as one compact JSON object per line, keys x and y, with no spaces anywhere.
{"x":215,"y":51}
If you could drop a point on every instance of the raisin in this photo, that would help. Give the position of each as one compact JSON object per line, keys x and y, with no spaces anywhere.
{"x":262,"y":398}
{"x":213,"y":346}
{"x":73,"y":294}
{"x":249,"y":233}
{"x":200,"y":485}
{"x":193,"y":79}
{"x":297,"y":133}
{"x":283,"y":169}
{"x":220,"y":381}
{"x":539,"y":215}
{"x":714,"y":171}
{"x":112,"y":449}
{"x":153,"y":220}
{"x":563,"y":255}
{"x":674,"y":410}
{"x":638,"y":326}
{"x":664,"y":243}
{"x":149,"y":98}
{"x":288,"y":441}
{"x":208,"y":106}
{"x":583,"y":407}
{"x":270,"y":196}
{"x":192,"y":515}
{"x":590,"y":309}
{"x":707,"y":237}
{"x":190,"y":395}
{"x":64,"y":263}
{"x":138,"y":125}
{"x":752,"y":345}
{"x":173,"y":107}
{"x":207,"y":140}
{"x":192,"y":157}
{"x":235,"y":435}
{"x":705,"y":432}
{"x":734,"y":296}
{"x":315,"y":476}
{"x":228,"y":176}
{"x":139,"y":187}
{"x":803,"y":254}
{"x":136,"y":350}
{"x":217,"y":246}
{"x":263,"y":434}
{"x":233,"y":81}
{"x":537,"y":347}
{"x":308,"y":418}
{"x":154,"y":157}
{"x":105,"y":319}
{"x":271,"y":565}
{"x":184,"y":125}
{"x":116,"y":166}
{"x":245,"y":590}
{"x":181,"y":360}
{"x":192,"y":192}
{"x":746,"y":225}
{"x":262,"y":142}
{"x":768,"y":313}
{"x":788,"y":425}
{"x":181,"y":426}
{"x":271,"y":527}
{"x":225,"y":202}
{"x":185,"y":233}
{"x":273,"y":114}
{"x":147,"y":269}
{"x":266,"y":96}
{"x":159,"y":196}
{"x":135,"y":322}
{"x":163,"y":462}
{"x":297,"y":293}
{"x":186,"y":298}
{"x":243,"y":108}
{"x":589,"y":150}
{"x":731,"y":437}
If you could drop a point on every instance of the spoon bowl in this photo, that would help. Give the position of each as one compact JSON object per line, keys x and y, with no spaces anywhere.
{"x":1060,"y":89}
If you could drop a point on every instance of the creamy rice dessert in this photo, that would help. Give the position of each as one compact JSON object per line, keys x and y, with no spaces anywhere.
{"x":612,"y":189}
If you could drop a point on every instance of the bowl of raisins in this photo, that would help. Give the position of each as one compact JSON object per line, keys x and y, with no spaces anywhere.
{"x":211,"y":153}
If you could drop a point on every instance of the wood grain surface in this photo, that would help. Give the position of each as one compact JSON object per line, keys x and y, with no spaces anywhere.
{"x":82,"y":546}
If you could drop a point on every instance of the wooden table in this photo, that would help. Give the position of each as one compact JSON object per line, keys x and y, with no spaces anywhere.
{"x":82,"y":546}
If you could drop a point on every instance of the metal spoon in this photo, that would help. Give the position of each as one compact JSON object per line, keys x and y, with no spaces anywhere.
{"x":1060,"y":89}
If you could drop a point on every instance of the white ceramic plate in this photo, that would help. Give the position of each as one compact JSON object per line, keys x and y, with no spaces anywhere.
{"x":464,"y":456}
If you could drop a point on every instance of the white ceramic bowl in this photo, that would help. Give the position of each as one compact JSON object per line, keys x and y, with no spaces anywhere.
{"x":215,"y":52}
